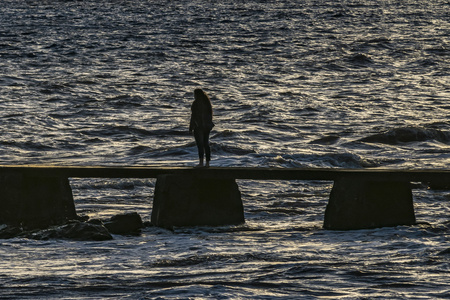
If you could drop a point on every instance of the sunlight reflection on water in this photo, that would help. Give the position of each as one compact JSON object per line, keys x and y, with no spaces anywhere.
{"x":292,"y":84}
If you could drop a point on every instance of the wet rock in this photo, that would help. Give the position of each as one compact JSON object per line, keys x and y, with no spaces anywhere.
{"x":95,"y":221}
{"x":147,"y":224}
{"x":194,"y":201}
{"x":86,"y":231}
{"x":74,"y":230}
{"x":357,"y":204}
{"x":80,"y":231}
{"x":129,"y":223}
{"x":8,"y":232}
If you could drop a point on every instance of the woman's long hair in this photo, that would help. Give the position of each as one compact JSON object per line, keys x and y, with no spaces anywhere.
{"x":203,"y":98}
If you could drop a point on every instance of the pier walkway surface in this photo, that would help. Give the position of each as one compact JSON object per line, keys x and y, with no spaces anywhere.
{"x":257,"y":173}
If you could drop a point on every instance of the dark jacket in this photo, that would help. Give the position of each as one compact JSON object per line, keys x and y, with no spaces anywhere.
{"x":201,"y":117}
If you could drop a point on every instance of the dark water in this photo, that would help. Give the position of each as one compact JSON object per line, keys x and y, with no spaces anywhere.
{"x":293,"y":83}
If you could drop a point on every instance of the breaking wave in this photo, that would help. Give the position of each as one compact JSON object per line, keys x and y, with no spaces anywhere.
{"x":407,"y":135}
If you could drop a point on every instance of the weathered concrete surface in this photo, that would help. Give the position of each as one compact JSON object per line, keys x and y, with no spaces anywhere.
{"x":192,"y":201}
{"x":35,"y":202}
{"x":359,"y":204}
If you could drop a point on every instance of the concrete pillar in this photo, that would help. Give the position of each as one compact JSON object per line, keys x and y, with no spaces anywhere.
{"x":193,"y":201}
{"x":358,"y":204}
{"x":35,"y":202}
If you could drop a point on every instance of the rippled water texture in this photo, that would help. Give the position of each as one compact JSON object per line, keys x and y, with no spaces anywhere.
{"x":309,"y":83}
{"x":111,"y":82}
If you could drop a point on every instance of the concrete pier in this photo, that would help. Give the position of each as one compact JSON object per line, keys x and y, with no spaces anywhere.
{"x":385,"y":194}
{"x":192,"y":201}
{"x":359,"y":204}
{"x":35,"y":202}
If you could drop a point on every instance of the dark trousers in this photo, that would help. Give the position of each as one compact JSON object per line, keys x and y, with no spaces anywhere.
{"x":202,"y":141}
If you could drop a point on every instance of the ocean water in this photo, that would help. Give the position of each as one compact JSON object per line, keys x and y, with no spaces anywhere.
{"x":334,"y":84}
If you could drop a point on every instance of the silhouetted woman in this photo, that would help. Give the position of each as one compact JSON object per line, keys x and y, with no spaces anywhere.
{"x":201,"y":124}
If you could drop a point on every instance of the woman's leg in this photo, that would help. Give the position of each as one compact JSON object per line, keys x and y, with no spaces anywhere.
{"x":198,"y":134}
{"x":207,"y":147}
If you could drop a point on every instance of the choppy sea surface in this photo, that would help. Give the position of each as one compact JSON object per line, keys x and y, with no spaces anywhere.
{"x":338,"y":84}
